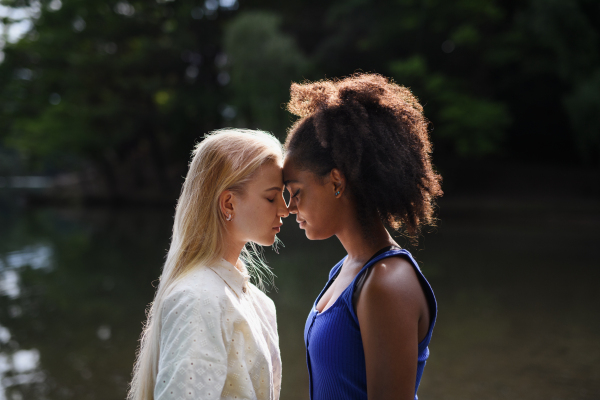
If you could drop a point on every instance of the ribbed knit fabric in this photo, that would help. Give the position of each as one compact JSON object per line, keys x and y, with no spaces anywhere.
{"x":334,"y":348}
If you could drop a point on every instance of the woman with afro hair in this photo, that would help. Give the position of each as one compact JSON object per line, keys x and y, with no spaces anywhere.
{"x":358,"y":160}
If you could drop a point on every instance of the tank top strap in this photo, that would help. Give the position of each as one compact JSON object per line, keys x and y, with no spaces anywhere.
{"x":387,"y":252}
{"x":336,"y":268}
{"x":332,"y":275}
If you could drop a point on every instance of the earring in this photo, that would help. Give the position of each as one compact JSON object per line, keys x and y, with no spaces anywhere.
{"x":229,"y":216}
{"x":337,"y":193}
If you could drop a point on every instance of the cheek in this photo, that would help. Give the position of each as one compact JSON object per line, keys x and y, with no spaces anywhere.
{"x":320,"y":221}
{"x":260,"y":214}
{"x":317,"y":209}
{"x":244,"y":217}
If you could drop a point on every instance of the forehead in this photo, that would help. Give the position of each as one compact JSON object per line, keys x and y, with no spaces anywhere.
{"x":290,"y":170}
{"x":292,"y":174}
{"x":268,"y":173}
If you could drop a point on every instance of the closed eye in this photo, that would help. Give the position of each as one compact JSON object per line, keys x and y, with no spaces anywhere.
{"x":296,"y":193}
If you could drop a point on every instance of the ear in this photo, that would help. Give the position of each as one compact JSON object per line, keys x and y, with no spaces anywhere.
{"x":226,"y":203}
{"x":337,"y":181}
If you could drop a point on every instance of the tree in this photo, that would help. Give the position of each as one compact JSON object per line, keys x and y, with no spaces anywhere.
{"x":263,"y":63}
{"x":125,"y":87}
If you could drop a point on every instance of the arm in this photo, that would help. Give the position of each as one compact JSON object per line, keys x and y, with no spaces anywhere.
{"x":193,"y":355}
{"x":389,"y":310}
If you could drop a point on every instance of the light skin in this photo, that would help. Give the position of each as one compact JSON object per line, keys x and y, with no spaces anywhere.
{"x":255,"y":214}
{"x":392,"y":309}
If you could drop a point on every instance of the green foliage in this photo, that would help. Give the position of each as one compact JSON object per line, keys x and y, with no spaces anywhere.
{"x":103,"y":80}
{"x":566,"y":31}
{"x":563,"y":28}
{"x":264,"y":62}
{"x":474,"y":125}
{"x":583,"y":106}
{"x":128,"y":87}
{"x":494,"y":76}
{"x":437,"y":49}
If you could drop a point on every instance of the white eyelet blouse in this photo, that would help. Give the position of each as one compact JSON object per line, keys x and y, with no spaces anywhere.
{"x":218,"y":339}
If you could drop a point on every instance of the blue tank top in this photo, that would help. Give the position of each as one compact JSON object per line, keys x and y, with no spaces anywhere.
{"x":334,"y":348}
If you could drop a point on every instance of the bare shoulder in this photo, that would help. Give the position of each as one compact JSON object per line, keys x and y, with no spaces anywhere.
{"x":394,"y":280}
{"x":392,"y":274}
{"x":392,"y":313}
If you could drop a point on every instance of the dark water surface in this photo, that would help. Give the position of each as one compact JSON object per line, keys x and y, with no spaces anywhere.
{"x":517,"y":285}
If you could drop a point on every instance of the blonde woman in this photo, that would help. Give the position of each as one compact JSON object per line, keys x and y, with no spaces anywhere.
{"x":210,"y":333}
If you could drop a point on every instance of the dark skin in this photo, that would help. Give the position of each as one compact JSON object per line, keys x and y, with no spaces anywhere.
{"x":392,"y":309}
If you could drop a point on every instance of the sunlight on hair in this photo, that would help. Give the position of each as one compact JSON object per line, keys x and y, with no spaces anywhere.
{"x":225,"y":159}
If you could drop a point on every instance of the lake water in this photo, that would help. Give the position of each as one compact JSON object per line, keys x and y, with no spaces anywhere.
{"x":516,"y":281}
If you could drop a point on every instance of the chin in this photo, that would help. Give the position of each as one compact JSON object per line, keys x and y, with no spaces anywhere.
{"x":266,"y":241}
{"x":311,"y":235}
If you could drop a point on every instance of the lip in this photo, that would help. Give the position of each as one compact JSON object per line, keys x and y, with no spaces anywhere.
{"x":277,"y":228}
{"x":301,"y":223}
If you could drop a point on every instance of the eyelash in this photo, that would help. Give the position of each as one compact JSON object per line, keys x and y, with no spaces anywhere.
{"x":296,"y":194}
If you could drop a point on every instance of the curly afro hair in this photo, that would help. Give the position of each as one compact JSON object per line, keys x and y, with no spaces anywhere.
{"x":375,"y":133}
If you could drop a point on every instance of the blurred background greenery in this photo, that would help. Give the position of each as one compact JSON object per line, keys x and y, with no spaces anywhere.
{"x":102,"y":101}
{"x":107,"y":98}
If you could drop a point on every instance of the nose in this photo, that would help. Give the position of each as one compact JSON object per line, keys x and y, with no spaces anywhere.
{"x":292,"y":208}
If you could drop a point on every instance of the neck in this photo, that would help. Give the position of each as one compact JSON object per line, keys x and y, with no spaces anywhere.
{"x":232,"y":250}
{"x":360,"y":246}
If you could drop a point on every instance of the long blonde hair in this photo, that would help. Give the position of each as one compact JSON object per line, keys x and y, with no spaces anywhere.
{"x":225,"y":160}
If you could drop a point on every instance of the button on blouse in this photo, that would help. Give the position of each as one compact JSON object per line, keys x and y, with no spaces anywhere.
{"x":218,"y":339}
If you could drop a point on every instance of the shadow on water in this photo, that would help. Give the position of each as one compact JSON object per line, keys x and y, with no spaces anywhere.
{"x":516,"y":284}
